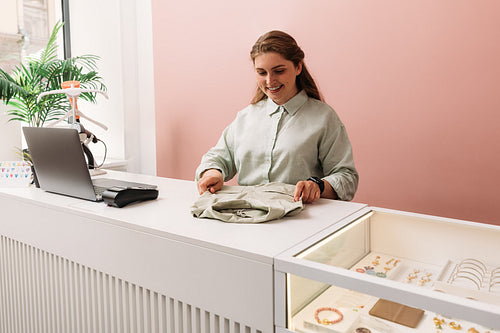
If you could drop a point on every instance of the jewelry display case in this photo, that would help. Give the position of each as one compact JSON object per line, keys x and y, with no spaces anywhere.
{"x":381,"y":271}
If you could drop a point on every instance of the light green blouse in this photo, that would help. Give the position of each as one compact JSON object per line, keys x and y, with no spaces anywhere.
{"x":271,"y":143}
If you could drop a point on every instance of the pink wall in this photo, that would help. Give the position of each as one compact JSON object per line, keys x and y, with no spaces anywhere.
{"x":417,"y":85}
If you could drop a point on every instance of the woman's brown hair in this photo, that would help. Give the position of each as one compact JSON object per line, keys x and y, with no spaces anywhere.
{"x":285,"y":45}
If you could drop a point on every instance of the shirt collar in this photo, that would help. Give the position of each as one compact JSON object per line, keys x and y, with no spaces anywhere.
{"x":292,"y":106}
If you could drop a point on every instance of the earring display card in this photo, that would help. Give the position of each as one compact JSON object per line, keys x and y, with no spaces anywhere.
{"x":15,"y":174}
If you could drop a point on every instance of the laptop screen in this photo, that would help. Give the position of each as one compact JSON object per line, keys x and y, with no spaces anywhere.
{"x":59,"y":161}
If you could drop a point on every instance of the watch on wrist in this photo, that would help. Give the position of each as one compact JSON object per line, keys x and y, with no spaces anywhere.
{"x":320,"y":183}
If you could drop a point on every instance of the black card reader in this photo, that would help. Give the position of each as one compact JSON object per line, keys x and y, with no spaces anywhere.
{"x":121,"y":196}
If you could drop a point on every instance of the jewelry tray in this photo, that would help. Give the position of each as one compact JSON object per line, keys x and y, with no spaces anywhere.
{"x":402,"y":270}
{"x":464,"y":289}
{"x":355,"y":306}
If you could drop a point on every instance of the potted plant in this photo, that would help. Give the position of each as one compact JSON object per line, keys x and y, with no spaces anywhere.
{"x":44,"y":72}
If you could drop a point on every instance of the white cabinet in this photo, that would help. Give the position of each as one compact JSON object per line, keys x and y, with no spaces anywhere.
{"x":390,"y":271}
{"x":68,"y":265}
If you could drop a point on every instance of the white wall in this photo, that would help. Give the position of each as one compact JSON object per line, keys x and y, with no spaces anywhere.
{"x":120,"y":33}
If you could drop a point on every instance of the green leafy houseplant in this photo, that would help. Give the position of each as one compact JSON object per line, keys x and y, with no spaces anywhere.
{"x":42,"y":73}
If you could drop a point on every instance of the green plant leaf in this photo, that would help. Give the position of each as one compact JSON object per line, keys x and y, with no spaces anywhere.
{"x":44,"y":72}
{"x":9,"y":87}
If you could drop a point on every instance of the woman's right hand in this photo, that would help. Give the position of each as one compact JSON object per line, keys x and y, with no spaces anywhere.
{"x":210,"y":180}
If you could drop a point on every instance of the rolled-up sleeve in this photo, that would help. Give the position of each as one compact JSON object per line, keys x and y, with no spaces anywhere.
{"x":335,"y":154}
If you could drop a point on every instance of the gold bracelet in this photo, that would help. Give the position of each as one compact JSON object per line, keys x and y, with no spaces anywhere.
{"x":495,"y":272}
{"x":494,"y":278}
{"x":478,"y":285}
{"x":493,"y":284}
{"x":478,"y":278}
{"x":467,"y":268}
{"x":477,"y":262}
{"x":474,"y":266}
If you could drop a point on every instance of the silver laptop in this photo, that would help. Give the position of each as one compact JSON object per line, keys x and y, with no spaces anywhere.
{"x":60,"y":164}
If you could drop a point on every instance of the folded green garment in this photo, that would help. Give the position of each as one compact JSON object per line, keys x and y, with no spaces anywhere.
{"x":248,"y":204}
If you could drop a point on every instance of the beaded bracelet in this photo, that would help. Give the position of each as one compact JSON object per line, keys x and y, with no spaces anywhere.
{"x":326,"y":321}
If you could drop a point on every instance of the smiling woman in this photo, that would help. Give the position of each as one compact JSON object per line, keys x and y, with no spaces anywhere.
{"x":276,"y":76}
{"x":287,"y":134}
{"x":279,"y":43}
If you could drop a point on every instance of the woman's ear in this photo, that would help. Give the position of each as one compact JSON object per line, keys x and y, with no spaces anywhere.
{"x":299,"y":68}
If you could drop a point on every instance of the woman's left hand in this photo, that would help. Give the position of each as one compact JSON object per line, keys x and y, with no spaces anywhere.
{"x":307,"y":190}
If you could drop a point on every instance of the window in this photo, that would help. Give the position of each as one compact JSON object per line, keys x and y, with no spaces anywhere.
{"x":126,"y":65}
{"x":25,"y":26}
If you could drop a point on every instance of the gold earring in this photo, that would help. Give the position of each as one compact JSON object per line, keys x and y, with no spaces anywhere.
{"x":410,"y":277}
{"x":438,"y":322}
{"x":423,"y":281}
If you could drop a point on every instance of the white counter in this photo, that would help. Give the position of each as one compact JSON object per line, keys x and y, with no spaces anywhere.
{"x":209,"y":273}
